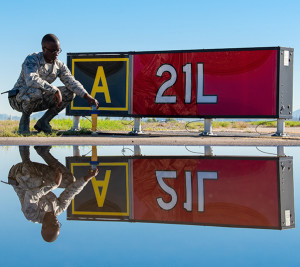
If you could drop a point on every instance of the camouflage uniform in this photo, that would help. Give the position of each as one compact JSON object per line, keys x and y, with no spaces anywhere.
{"x":35,"y":181}
{"x":35,"y":202}
{"x":34,"y":84}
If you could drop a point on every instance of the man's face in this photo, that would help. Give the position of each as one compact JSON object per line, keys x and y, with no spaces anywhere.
{"x":51,"y":51}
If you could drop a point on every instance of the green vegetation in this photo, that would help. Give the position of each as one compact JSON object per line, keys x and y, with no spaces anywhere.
{"x":239,"y":124}
{"x":219,"y":124}
{"x":265,"y":123}
{"x":195,"y":125}
{"x":151,"y":120}
{"x":292,"y":124}
{"x":62,"y":126}
{"x":170,"y":120}
{"x":274,"y":123}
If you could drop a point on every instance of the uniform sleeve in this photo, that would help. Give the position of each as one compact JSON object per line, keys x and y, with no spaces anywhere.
{"x":31,"y":200}
{"x":69,"y":81}
{"x":32,"y":78}
{"x":68,"y":194}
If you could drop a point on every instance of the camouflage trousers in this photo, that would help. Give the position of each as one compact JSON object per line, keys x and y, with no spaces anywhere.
{"x":30,"y":100}
{"x":34,"y":174}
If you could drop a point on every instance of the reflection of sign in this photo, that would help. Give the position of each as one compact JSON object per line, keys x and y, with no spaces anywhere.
{"x":161,"y":175}
{"x":106,"y":79}
{"x":107,"y":194}
{"x":211,"y":191}
{"x":222,"y":191}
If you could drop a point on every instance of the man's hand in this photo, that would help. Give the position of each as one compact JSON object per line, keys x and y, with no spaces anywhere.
{"x":91,"y":173}
{"x":58,"y":98}
{"x":92,"y":101}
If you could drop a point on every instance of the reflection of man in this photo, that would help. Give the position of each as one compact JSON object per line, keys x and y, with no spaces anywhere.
{"x":33,"y":91}
{"x":34,"y":183}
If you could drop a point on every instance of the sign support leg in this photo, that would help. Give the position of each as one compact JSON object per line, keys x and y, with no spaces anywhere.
{"x":76,"y":151}
{"x":207,"y":127}
{"x":280,"y":128}
{"x":280,"y":151}
{"x":137,"y":128}
{"x":137,"y":150}
{"x":208,"y":151}
{"x":76,"y":123}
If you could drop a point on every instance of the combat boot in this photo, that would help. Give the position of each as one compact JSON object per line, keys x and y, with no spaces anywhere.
{"x":43,"y":124}
{"x":24,"y":124}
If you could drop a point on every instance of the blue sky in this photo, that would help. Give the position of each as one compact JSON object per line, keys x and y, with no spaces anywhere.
{"x":96,"y":26}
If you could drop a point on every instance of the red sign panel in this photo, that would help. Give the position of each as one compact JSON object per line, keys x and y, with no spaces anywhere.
{"x":207,"y":191}
{"x":241,"y":83}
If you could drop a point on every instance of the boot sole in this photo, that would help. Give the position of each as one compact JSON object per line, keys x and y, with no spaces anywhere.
{"x":39,"y":129}
{"x":23,"y":132}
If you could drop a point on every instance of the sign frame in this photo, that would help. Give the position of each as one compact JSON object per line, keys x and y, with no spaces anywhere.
{"x":284,"y":82}
{"x":284,"y":191}
{"x":72,"y":162}
{"x":72,"y":58}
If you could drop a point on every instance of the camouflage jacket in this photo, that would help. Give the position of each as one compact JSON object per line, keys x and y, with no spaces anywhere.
{"x":36,"y":73}
{"x":35,"y":202}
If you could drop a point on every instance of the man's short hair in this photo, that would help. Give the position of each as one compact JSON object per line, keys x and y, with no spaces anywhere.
{"x":49,"y":38}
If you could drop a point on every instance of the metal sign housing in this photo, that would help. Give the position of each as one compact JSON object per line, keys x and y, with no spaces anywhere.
{"x":253,"y":192}
{"x":208,"y":83}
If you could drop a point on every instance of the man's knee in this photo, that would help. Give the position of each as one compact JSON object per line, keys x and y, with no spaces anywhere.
{"x":67,"y":95}
{"x":14,"y":104}
{"x":28,"y":100}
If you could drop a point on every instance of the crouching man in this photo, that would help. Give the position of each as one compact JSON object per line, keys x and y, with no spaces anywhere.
{"x":33,"y":182}
{"x":33,"y":91}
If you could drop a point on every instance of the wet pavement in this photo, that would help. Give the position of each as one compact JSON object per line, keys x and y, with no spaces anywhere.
{"x":178,"y":138}
{"x":150,"y":205}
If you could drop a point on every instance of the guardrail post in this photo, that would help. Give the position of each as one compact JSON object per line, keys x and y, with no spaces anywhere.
{"x":207,"y":127}
{"x":280,"y":128}
{"x":137,"y":127}
{"x":76,"y":123}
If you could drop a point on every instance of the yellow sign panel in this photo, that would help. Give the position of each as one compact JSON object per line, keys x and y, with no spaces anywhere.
{"x":106,"y":79}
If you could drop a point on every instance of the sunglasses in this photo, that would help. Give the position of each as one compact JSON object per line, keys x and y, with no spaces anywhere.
{"x":54,"y":51}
